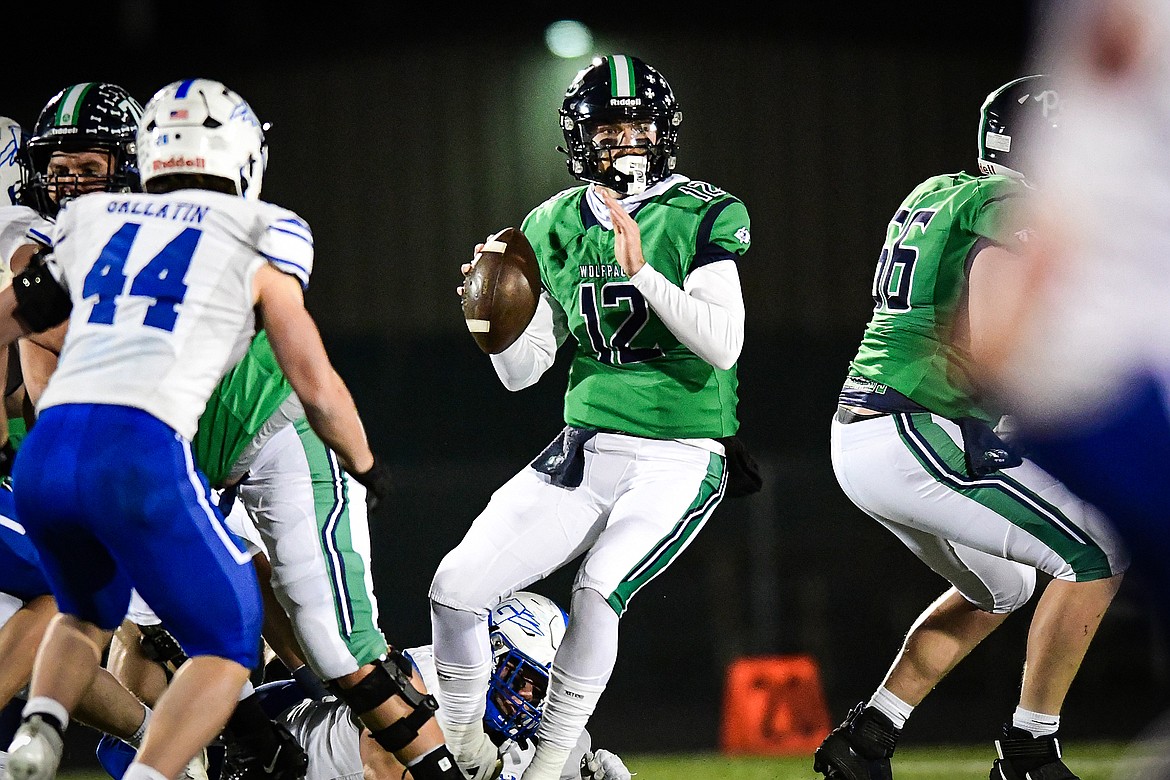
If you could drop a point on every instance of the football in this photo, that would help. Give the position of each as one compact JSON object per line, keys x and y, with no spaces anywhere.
{"x":501,"y":290}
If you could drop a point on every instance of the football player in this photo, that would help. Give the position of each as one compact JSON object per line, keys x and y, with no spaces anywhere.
{"x":1083,"y":352}
{"x":26,"y":609}
{"x":162,"y":292}
{"x":526,"y":629}
{"x":255,"y":442}
{"x":915,"y":446}
{"x":639,"y":265}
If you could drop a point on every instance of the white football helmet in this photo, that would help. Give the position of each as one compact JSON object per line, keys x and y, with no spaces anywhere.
{"x":526,"y":630}
{"x":11,"y":163}
{"x":201,"y":126}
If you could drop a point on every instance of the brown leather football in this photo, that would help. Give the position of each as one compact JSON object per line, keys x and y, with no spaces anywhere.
{"x":501,"y":291}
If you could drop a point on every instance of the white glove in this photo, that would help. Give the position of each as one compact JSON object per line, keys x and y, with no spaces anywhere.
{"x":603,"y":765}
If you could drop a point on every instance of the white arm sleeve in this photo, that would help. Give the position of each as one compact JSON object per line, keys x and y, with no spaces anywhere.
{"x":522,"y":364}
{"x":706,"y":315}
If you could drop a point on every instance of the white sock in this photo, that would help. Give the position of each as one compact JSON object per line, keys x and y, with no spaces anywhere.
{"x":3,"y":762}
{"x":464,"y":695}
{"x":1035,"y":723}
{"x":43,"y":705}
{"x":463,"y":666}
{"x":135,"y":740}
{"x":567,"y":710}
{"x":137,"y":771}
{"x":891,"y":706}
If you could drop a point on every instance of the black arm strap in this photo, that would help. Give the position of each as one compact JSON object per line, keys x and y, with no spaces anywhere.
{"x":41,"y":302}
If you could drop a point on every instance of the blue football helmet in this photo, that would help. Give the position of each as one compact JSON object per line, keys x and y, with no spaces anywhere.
{"x":526,"y":630}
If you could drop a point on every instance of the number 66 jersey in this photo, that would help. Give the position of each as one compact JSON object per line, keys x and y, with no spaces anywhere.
{"x":919,"y":283}
{"x":163,"y":283}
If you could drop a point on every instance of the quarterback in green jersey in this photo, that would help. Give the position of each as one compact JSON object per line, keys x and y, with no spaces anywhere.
{"x":639,"y":266}
{"x":915,"y":447}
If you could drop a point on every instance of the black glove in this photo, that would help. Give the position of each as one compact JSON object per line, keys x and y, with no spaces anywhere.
{"x":743,"y":473}
{"x":7,"y":458}
{"x":377,"y":483}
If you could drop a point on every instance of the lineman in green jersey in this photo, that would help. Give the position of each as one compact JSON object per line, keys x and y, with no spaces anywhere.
{"x":639,"y":266}
{"x":916,"y":449}
{"x":310,"y":518}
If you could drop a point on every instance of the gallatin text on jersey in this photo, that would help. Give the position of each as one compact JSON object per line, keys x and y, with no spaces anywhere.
{"x":176,"y":212}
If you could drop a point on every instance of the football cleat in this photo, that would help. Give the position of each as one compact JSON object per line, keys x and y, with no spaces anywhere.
{"x":1024,"y":757}
{"x":858,"y":749}
{"x":35,"y":752}
{"x":279,"y":759}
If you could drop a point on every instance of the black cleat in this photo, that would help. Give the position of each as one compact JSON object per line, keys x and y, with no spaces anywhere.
{"x":277,"y":757}
{"x":1024,"y":757}
{"x":858,"y":749}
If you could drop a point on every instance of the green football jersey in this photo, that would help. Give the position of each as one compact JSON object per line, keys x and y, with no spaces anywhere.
{"x":629,"y":373}
{"x":247,"y":395}
{"x":919,"y":283}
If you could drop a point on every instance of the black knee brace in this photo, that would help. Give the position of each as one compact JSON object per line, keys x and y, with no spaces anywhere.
{"x":390,"y":677}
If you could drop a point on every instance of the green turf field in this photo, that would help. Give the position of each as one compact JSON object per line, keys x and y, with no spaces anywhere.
{"x":1096,"y":761}
{"x":1090,"y":761}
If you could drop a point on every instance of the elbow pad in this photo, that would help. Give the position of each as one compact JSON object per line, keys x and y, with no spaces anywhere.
{"x":41,"y":302}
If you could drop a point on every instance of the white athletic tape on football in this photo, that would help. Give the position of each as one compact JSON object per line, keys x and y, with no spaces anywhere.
{"x":478,"y":326}
{"x":495,"y":246}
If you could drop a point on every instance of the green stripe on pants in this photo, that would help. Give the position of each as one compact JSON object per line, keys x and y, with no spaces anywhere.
{"x":669,"y":546}
{"x":353,"y":603}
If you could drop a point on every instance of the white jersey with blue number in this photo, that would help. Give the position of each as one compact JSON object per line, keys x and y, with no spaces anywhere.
{"x":162,"y":295}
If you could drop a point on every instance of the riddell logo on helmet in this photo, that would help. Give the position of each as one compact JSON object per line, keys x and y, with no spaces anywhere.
{"x":625,"y":101}
{"x":179,"y":162}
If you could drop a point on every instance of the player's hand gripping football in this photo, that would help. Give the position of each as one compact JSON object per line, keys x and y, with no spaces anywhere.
{"x":466,"y":268}
{"x":627,"y":238}
{"x":603,"y":765}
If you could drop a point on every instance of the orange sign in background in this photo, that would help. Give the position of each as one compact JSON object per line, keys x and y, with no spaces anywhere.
{"x":773,"y":705}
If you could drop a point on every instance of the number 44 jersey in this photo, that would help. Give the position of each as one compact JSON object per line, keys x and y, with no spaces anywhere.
{"x":163,"y":283}
{"x":919,"y":284}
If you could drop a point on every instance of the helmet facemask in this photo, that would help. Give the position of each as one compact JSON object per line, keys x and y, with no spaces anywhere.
{"x":626,"y":155}
{"x":54,"y":181}
{"x":516,"y":692}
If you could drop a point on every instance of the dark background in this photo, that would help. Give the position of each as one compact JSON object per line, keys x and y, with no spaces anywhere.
{"x":405,"y":136}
